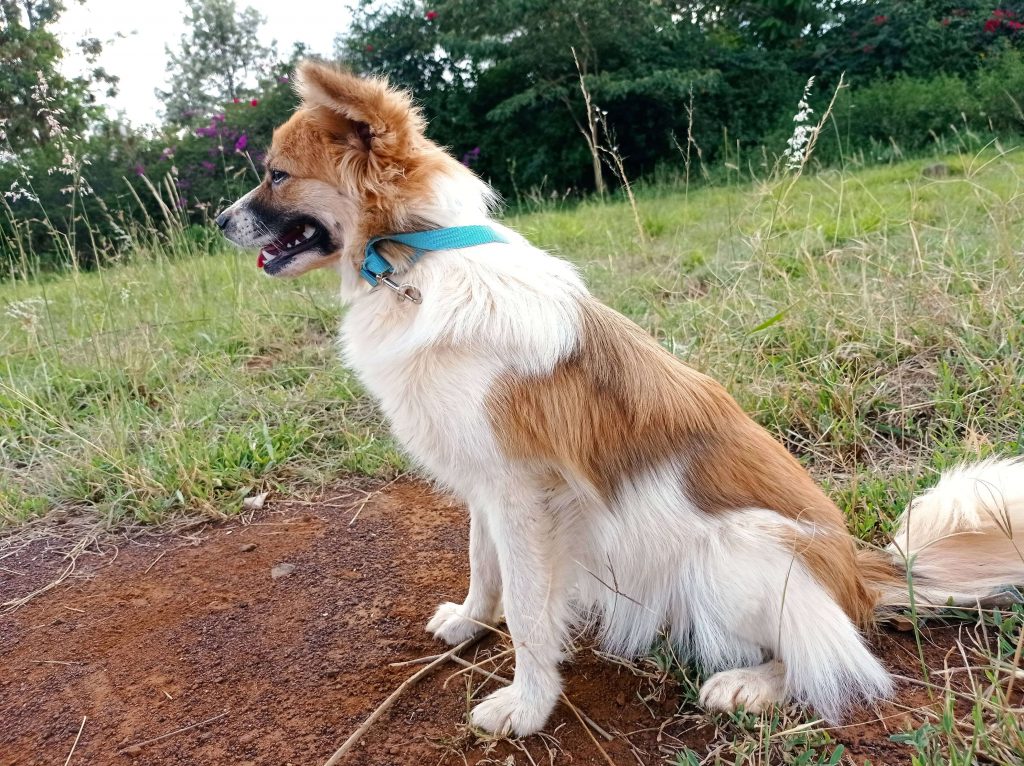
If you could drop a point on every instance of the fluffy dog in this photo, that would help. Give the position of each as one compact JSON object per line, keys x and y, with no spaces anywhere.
{"x":605,"y":479}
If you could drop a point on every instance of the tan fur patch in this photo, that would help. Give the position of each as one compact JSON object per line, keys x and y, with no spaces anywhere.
{"x":365,"y":139}
{"x":622,"y":404}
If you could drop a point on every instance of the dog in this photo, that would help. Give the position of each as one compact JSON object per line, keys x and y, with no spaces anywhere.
{"x":606,"y":480}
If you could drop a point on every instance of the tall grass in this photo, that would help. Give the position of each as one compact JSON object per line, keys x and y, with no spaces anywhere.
{"x":173,"y":383}
{"x":870,"y":317}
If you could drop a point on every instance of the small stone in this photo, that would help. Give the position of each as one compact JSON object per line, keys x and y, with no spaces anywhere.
{"x":247,"y":739}
{"x":255,"y":502}
{"x":620,"y":699}
{"x":282,"y":570}
{"x":248,"y":547}
{"x":132,"y":750}
{"x":902,"y":623}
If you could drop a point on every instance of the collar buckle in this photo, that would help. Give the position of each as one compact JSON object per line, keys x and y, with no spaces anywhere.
{"x":405,"y":292}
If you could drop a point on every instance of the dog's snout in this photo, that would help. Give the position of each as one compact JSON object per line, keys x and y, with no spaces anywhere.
{"x":222,"y":220}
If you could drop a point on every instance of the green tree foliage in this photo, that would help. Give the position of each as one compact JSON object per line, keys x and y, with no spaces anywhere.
{"x":219,"y":59}
{"x":510,"y":86}
{"x":30,"y":54}
{"x":500,"y":86}
{"x":916,"y":38}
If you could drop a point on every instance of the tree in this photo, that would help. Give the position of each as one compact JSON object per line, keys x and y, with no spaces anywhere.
{"x":219,"y":59}
{"x":30,"y":57}
{"x":500,"y":86}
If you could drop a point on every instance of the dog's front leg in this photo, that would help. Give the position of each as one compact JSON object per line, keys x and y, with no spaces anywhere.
{"x":454,"y":623}
{"x":536,"y":611}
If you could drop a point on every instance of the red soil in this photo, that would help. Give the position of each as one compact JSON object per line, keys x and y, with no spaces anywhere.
{"x":175,"y":630}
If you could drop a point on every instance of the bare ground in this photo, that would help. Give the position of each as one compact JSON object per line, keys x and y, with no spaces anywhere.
{"x":170,"y":630}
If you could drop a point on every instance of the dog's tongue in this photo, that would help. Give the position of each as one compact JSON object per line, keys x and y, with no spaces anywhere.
{"x":260,"y":260}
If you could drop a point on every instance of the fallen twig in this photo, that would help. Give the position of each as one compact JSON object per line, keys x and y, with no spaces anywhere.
{"x":172,"y":733}
{"x":373,"y":494}
{"x":75,"y":743}
{"x":155,"y":562}
{"x":417,"y":661}
{"x":382,"y":708}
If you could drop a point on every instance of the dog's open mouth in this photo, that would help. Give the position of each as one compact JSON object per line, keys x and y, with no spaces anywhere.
{"x":298,"y":238}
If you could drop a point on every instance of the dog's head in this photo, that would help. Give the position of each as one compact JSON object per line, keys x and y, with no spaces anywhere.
{"x":351,"y":163}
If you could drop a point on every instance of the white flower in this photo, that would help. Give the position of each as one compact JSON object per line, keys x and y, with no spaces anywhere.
{"x":796,"y":149}
{"x":27,"y":311}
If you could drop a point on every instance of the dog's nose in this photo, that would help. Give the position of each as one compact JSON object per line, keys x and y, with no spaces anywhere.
{"x":222,"y":220}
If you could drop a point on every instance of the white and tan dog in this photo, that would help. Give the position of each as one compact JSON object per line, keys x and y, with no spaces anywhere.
{"x":605,"y":479}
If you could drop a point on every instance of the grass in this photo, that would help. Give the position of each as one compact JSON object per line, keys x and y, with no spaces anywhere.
{"x":173,"y":385}
{"x":871,"y":317}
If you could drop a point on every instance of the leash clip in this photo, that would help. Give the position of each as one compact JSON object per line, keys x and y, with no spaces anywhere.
{"x":405,"y":292}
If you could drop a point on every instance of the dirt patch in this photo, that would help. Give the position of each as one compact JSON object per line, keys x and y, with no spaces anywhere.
{"x":173,"y":631}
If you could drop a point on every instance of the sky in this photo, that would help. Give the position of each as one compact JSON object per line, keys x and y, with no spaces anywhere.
{"x":148,"y":25}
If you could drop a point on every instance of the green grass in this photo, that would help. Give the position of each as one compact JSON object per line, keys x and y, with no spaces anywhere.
{"x":173,"y":384}
{"x":871,"y":318}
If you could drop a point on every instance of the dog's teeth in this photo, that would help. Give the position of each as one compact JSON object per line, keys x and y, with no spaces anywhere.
{"x":308,"y":231}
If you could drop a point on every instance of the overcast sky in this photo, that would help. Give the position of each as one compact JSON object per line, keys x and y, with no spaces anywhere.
{"x":148,"y":25}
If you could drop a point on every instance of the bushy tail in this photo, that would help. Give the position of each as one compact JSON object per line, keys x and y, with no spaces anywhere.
{"x":963,"y":541}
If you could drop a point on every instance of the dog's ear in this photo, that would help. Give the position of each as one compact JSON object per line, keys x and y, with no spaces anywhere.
{"x":379,"y":119}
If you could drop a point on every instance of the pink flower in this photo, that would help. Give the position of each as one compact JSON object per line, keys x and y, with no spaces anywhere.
{"x":879,"y":20}
{"x":431,"y":15}
{"x":369,"y":49}
{"x":241,"y":143}
{"x":992,"y":25}
{"x":254,"y":102}
{"x":237,"y":100}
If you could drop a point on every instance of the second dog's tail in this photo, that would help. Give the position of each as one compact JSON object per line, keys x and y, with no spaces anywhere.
{"x":962,"y":542}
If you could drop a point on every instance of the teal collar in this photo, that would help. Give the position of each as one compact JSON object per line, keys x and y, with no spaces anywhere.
{"x":377,"y":270}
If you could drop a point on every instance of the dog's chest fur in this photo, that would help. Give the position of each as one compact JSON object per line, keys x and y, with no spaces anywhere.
{"x":487,"y":312}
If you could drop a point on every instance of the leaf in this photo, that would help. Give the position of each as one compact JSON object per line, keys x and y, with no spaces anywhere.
{"x":769,"y":322}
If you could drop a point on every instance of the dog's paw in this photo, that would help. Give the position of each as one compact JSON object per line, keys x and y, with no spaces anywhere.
{"x":449,"y":625}
{"x":509,"y":712}
{"x":754,"y":689}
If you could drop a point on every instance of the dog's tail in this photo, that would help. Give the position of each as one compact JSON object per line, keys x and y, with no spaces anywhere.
{"x":959,"y":544}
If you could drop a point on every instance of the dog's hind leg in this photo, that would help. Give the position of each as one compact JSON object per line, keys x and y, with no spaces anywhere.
{"x":454,"y":623}
{"x":750,"y":588}
{"x":535,"y":597}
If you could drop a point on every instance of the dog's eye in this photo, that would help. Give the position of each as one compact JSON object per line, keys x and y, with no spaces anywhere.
{"x":277,"y":176}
